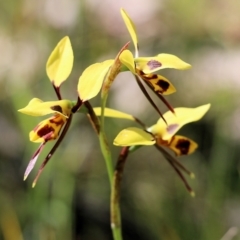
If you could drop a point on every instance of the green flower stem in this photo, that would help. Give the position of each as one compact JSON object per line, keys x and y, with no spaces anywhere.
{"x":116,"y":229}
{"x":102,"y":139}
{"x":115,"y":193}
{"x":111,"y":75}
{"x":116,"y":224}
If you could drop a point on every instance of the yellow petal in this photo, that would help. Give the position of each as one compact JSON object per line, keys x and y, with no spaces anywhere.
{"x":127,"y":59}
{"x":158,"y":83}
{"x":131,"y":28}
{"x":175,"y":121}
{"x":60,"y":62}
{"x":48,"y":129}
{"x":180,"y":145}
{"x":133,"y":136}
{"x":90,"y":82}
{"x":108,"y":112}
{"x":36,"y":107}
{"x":161,"y":61}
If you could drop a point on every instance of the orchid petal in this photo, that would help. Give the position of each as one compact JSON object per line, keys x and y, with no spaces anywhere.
{"x":60,"y":62}
{"x":158,"y":83}
{"x":48,"y":129}
{"x":133,"y":136}
{"x":36,"y":107}
{"x":161,"y":61}
{"x":33,"y":160}
{"x":127,"y":59}
{"x":131,"y":28}
{"x":180,"y":145}
{"x":90,"y":82}
{"x":175,"y":121}
{"x":108,"y":112}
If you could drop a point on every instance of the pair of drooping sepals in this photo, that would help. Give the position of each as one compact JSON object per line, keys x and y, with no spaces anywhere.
{"x":59,"y":66}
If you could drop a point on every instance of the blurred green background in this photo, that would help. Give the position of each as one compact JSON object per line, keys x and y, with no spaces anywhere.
{"x":71,"y":199}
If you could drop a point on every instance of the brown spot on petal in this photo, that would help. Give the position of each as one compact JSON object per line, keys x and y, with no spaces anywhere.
{"x":171,"y":128}
{"x":44,"y":131}
{"x":57,"y":108}
{"x":163,"y":85}
{"x":152,"y":76}
{"x":183,"y":145}
{"x":152,"y":64}
{"x":140,"y":72}
{"x":57,"y":121}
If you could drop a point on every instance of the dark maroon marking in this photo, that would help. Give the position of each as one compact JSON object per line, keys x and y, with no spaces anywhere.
{"x":171,"y":128}
{"x":153,"y":76}
{"x":183,"y":145}
{"x":163,"y":84}
{"x":57,"y":122}
{"x":57,"y":108}
{"x":154,"y":64}
{"x":149,"y":77}
{"x":44,"y":131}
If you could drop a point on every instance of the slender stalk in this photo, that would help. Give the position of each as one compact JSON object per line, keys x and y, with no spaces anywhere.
{"x":57,"y":91}
{"x":116,"y":221}
{"x":111,"y":75}
{"x":115,"y":193}
{"x":102,"y":139}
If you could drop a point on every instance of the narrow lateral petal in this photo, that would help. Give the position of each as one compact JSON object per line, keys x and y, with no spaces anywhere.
{"x":180,"y":145}
{"x":60,"y":62}
{"x":161,"y":61}
{"x":90,"y":82}
{"x":108,"y":112}
{"x":133,"y":136}
{"x":33,"y":160}
{"x":36,"y":107}
{"x":175,"y":121}
{"x":131,"y":28}
{"x":127,"y":59}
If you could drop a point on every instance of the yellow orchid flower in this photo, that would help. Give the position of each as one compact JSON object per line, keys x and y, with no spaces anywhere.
{"x":59,"y":66}
{"x":145,"y":67}
{"x":164,"y":134}
{"x":161,"y":135}
{"x":48,"y":129}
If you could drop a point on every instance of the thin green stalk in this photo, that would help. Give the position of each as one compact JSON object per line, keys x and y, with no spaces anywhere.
{"x":111,"y":75}
{"x":115,"y":193}
{"x":102,"y":139}
{"x":114,"y":204}
{"x":116,"y":229}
